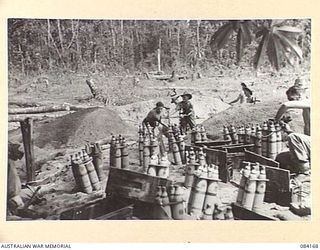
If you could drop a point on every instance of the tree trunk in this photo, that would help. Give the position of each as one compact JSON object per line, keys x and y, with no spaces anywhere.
{"x":198,"y":38}
{"x":54,"y":44}
{"x":178,"y":41}
{"x":60,"y":36}
{"x":122,"y":43}
{"x":112,"y":34}
{"x":48,"y":45}
{"x":159,"y":56}
{"x":22,"y":59}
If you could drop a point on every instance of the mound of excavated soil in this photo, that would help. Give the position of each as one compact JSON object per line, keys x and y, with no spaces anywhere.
{"x":248,"y":114}
{"x":76,"y":129}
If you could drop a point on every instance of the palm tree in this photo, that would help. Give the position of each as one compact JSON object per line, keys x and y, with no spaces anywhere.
{"x":277,"y":41}
{"x":224,"y":33}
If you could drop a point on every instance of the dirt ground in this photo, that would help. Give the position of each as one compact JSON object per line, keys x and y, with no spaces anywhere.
{"x":55,"y":139}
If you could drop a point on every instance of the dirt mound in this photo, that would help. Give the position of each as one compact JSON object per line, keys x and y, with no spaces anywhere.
{"x":248,"y":114}
{"x":76,"y":129}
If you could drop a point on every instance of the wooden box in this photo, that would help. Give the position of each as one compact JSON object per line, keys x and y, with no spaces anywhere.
{"x":227,"y":157}
{"x":241,"y":213}
{"x":137,"y":188}
{"x":106,"y":209}
{"x":133,"y":185}
{"x":278,"y":186}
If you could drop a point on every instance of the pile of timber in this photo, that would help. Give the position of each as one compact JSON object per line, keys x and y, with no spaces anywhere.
{"x":42,"y":112}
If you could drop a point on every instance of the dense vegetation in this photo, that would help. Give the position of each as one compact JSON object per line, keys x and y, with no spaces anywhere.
{"x":42,"y":45}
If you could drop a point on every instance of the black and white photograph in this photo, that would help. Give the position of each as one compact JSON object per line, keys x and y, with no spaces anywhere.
{"x":159,"y":119}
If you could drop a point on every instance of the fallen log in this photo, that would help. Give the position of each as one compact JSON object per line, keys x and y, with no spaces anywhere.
{"x":24,"y":104}
{"x":35,"y":117}
{"x":49,"y":109}
{"x":35,"y":110}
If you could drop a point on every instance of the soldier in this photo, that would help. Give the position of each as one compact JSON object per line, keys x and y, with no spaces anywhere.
{"x":245,"y":95}
{"x":298,"y":158}
{"x":18,"y":195}
{"x":153,"y":118}
{"x":187,"y":116}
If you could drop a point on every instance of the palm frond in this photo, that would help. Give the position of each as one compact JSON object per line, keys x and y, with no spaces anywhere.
{"x":289,"y":43}
{"x":222,"y":35}
{"x":262,"y":47}
{"x":246,"y":32}
{"x":239,"y":45}
{"x":276,"y":22}
{"x":289,"y":29}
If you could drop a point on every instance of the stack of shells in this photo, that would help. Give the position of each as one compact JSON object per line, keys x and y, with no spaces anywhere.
{"x":119,"y":153}
{"x":176,"y":144}
{"x":152,"y":151}
{"x":169,"y":204}
{"x":198,"y":134}
{"x":87,"y":168}
{"x":193,"y":161}
{"x":252,"y":186}
{"x":148,"y":148}
{"x":267,"y":139}
{"x":204,"y":191}
{"x":159,"y":166}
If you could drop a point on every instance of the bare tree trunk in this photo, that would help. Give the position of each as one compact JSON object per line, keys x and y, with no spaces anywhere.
{"x":79,"y":56}
{"x":159,"y":56}
{"x":178,"y":41}
{"x":197,"y":68}
{"x":48,"y":45}
{"x":198,"y":38}
{"x":22,"y":59}
{"x":55,"y":45}
{"x":122,"y":43}
{"x":60,"y":36}
{"x":112,"y":34}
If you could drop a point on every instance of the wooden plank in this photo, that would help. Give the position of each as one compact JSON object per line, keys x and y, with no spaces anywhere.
{"x":253,"y":157}
{"x":133,"y":185}
{"x":213,"y":143}
{"x":233,"y":148}
{"x":27,"y":135}
{"x":108,"y":208}
{"x":238,"y":148}
{"x":242,"y":213}
{"x":121,"y":214}
{"x":278,"y":186}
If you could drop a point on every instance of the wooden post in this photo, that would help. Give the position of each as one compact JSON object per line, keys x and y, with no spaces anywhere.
{"x":27,"y":135}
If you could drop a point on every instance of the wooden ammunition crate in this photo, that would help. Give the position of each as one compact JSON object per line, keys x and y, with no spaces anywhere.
{"x":133,"y":185}
{"x":106,"y":209}
{"x":137,"y":188}
{"x":278,"y":186}
{"x":241,"y":213}
{"x":227,"y":157}
{"x":128,"y":194}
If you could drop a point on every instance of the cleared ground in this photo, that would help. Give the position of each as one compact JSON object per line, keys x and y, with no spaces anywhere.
{"x":56,"y":138}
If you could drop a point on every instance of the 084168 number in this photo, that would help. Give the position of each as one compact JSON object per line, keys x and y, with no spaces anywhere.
{"x":305,"y":246}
